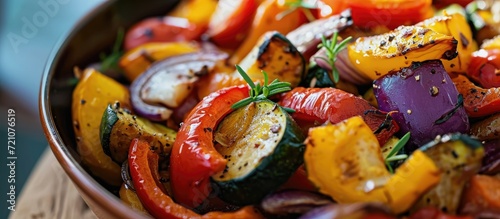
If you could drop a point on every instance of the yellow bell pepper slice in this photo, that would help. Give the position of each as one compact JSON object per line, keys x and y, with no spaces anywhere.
{"x":345,"y":162}
{"x":376,"y":56}
{"x":412,"y":179}
{"x":91,"y":96}
{"x":129,"y":197}
{"x":339,"y":158}
{"x":454,"y":25}
{"x":196,"y":11}
{"x":136,"y":61}
{"x":491,"y":43}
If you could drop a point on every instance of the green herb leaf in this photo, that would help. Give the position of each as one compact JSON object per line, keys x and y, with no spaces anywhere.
{"x":260,"y":92}
{"x":393,"y":154}
{"x":336,"y":75}
{"x":399,"y":145}
{"x":333,"y":48}
{"x":72,"y":82}
{"x":111,"y":61}
{"x":278,"y":86}
{"x":245,"y":76}
{"x":301,"y":4}
{"x":389,"y":167}
{"x":396,"y":157}
{"x":242,"y":103}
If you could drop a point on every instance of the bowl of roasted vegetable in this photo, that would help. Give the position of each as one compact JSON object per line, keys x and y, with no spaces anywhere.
{"x":280,"y":109}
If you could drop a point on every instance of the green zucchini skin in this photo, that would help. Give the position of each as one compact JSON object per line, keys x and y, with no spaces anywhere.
{"x":270,"y":173}
{"x":467,"y":140}
{"x":109,"y":118}
{"x":119,"y":127}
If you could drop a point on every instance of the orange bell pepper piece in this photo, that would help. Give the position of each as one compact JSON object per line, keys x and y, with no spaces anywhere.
{"x":478,"y":101}
{"x":327,"y":8}
{"x":137,"y":60}
{"x":271,"y":15}
{"x":482,"y":196}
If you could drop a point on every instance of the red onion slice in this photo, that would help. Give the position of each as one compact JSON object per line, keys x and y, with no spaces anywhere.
{"x":165,"y":85}
{"x":293,"y":202}
{"x":491,"y":159}
{"x":346,"y":70}
{"x":307,"y":37}
{"x":355,"y":210}
{"x":425,"y":101}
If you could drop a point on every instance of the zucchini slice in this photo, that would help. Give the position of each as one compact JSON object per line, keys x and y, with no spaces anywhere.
{"x":458,"y":157}
{"x":263,"y":146}
{"x":119,"y":127}
{"x":277,"y":56}
{"x":274,"y":54}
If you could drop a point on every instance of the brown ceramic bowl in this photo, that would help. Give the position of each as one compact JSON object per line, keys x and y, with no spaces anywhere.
{"x":81,"y":46}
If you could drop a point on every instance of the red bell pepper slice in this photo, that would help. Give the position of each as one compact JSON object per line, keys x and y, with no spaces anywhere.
{"x":143,"y":163}
{"x":478,"y":101}
{"x":162,"y":29}
{"x":319,"y":105}
{"x":391,"y":14}
{"x":299,"y":181}
{"x":484,"y":67}
{"x":378,"y":216}
{"x":228,"y":30}
{"x":444,"y":3}
{"x":152,"y":197}
{"x":193,"y":158}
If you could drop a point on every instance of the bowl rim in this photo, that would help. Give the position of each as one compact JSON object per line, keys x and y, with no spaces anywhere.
{"x":85,"y":183}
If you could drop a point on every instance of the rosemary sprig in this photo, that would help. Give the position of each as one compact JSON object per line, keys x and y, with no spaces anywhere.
{"x":111,"y":61}
{"x":393,"y":154}
{"x":258,"y":92}
{"x":332,"y":50}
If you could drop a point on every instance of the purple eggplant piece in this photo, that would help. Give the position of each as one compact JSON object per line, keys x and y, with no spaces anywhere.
{"x":182,"y":67}
{"x":424,"y":100}
{"x":307,"y":37}
{"x":491,"y":159}
{"x":354,"y":211}
{"x":293,"y":202}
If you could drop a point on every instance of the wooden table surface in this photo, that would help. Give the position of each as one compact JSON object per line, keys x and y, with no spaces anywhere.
{"x":50,"y":193}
